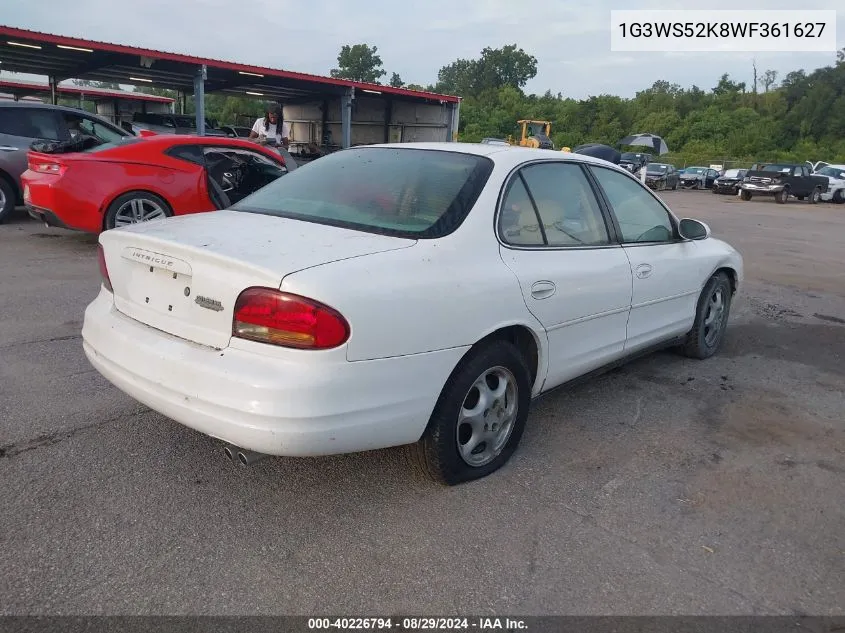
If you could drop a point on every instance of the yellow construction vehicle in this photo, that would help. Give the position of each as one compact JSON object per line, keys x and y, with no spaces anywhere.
{"x":536,"y":134}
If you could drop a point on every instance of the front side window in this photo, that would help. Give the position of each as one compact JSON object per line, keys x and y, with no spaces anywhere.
{"x":392,"y":191}
{"x":565,"y":209}
{"x":641,"y":217}
{"x":240,"y":172}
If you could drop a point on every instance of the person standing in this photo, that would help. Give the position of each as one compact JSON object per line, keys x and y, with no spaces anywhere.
{"x":270,"y":126}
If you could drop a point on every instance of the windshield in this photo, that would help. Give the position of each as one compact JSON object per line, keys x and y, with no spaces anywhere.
{"x":403,"y":192}
{"x":657,"y":168}
{"x":779,"y":168}
{"x":694,"y":170}
{"x":733,"y":173}
{"x":835,"y":172}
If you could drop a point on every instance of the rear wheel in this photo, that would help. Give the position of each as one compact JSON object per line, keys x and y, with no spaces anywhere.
{"x":745,"y":195}
{"x":479,"y":418}
{"x":782,"y":196}
{"x":815,"y":196}
{"x":135,"y":207}
{"x":711,"y":318}
{"x":7,"y":199}
{"x":838,"y":197}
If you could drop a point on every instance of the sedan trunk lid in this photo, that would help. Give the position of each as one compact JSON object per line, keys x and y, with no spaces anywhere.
{"x":183,"y":275}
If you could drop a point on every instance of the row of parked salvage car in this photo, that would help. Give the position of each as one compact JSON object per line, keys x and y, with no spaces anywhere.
{"x":417,"y":295}
{"x":778,"y":180}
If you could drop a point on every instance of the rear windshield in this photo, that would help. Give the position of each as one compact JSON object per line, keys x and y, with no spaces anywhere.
{"x":124,"y":141}
{"x":404,"y":192}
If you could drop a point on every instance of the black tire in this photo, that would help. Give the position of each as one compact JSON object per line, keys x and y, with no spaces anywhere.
{"x":782,"y":196}
{"x":675,"y":186}
{"x":700,"y":343}
{"x":8,"y":200}
{"x":437,"y":453}
{"x":814,"y":196}
{"x":838,"y":198}
{"x":142,"y":196}
{"x":745,"y":195}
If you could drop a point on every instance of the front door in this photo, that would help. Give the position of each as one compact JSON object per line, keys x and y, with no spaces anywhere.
{"x":574,"y":279}
{"x":664,"y":267}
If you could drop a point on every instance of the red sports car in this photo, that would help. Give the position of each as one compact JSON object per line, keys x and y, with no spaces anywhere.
{"x":140,"y":179}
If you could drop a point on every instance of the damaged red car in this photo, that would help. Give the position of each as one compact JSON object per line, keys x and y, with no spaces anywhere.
{"x":133,"y":180}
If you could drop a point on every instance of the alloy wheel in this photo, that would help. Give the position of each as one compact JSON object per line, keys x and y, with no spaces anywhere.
{"x":487,"y":415}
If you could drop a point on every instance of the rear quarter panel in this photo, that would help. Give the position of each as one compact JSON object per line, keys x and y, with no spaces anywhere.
{"x":183,"y":189}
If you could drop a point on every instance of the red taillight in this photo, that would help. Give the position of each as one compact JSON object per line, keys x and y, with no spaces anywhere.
{"x":270,"y":316}
{"x":146,"y":133}
{"x":46,"y":167}
{"x":104,"y":271}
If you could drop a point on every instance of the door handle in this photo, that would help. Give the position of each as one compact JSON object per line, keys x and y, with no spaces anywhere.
{"x":643,"y":271}
{"x":8,"y":148}
{"x":542,"y":289}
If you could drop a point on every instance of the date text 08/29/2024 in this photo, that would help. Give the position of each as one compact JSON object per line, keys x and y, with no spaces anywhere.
{"x":417,"y":624}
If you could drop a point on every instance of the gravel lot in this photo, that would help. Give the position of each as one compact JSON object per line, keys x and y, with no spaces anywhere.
{"x":668,"y":486}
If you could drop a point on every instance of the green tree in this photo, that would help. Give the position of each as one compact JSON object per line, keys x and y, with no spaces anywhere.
{"x":496,"y":68}
{"x":359,"y":62}
{"x":396,"y":80}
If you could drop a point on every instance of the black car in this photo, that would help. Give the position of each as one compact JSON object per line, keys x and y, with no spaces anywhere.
{"x":661,"y":176}
{"x":634,"y":161}
{"x":698,"y":178}
{"x":729,"y":182}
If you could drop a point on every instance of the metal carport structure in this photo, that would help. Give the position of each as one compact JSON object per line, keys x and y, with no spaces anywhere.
{"x":60,"y":58}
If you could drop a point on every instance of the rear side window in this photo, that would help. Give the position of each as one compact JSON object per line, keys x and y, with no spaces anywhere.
{"x":190,"y":153}
{"x":33,"y":123}
{"x":404,"y":192}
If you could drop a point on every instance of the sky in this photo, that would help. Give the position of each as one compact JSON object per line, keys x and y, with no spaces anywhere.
{"x":415,"y":38}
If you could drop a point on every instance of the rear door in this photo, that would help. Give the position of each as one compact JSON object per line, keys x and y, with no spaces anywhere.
{"x":19,"y":127}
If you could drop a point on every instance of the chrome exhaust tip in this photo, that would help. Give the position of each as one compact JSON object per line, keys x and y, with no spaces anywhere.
{"x":230,"y":452}
{"x":248,"y":458}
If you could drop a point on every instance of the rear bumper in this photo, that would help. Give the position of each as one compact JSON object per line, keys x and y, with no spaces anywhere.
{"x":293,"y":404}
{"x":47,"y":217}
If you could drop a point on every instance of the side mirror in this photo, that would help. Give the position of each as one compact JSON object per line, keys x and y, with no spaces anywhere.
{"x":693,"y":229}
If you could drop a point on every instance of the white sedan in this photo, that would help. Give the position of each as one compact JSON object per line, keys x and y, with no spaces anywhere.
{"x":836,"y":177}
{"x":414,"y":294}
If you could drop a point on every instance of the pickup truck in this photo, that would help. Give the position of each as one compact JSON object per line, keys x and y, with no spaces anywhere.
{"x":782,"y":180}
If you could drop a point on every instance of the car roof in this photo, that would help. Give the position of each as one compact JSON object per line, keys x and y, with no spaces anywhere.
{"x":508,"y":155}
{"x":44,"y":106}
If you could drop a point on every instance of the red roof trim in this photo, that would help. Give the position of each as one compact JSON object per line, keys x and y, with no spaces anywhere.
{"x":74,"y":90}
{"x":49,"y":38}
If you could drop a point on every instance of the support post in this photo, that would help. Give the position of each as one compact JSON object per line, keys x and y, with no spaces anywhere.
{"x":326,"y":140}
{"x":199,"y":98}
{"x":54,"y":90}
{"x":388,"y":119}
{"x":454,"y":120}
{"x":346,"y":117}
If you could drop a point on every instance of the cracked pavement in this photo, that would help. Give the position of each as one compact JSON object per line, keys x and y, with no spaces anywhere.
{"x":668,"y":486}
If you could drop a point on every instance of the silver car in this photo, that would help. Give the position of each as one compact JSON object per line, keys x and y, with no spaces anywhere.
{"x":23,"y":123}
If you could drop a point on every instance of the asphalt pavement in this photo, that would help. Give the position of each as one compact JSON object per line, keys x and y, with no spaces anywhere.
{"x":669,"y":486}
